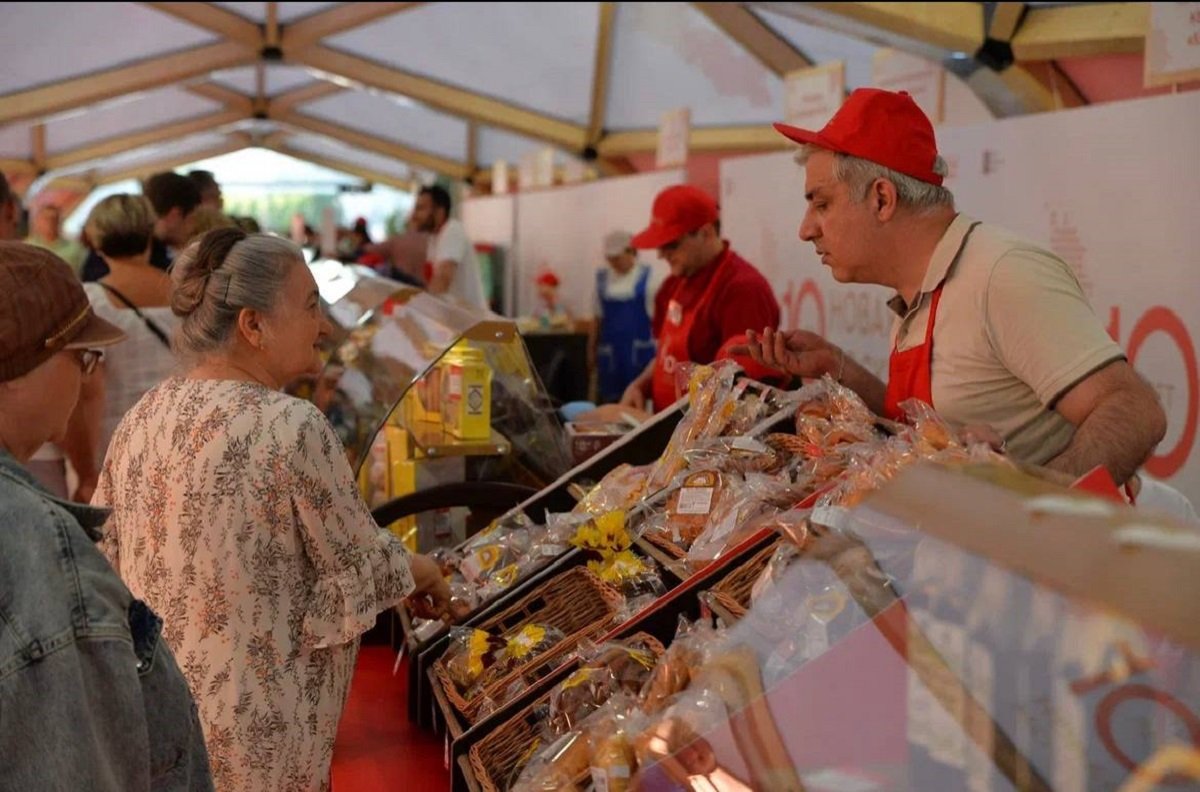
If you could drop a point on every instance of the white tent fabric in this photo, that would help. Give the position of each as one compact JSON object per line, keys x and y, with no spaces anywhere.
{"x":438,"y":87}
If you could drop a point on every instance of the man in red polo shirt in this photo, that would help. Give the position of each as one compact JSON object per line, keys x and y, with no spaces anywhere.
{"x":711,"y":296}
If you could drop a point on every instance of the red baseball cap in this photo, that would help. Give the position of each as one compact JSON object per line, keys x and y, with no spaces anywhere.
{"x":547,"y":279}
{"x":677,"y":210}
{"x":885,"y":127}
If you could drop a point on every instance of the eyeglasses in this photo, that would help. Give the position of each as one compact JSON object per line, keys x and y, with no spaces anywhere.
{"x":89,"y":359}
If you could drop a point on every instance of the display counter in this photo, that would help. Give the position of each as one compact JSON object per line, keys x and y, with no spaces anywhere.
{"x":425,"y":393}
{"x":926,"y":616}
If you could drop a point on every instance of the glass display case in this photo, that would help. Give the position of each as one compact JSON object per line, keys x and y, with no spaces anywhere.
{"x":423,"y":392}
{"x":962,"y":629}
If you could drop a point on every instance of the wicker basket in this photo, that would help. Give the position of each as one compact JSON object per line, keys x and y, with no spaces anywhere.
{"x":733,"y":592}
{"x":576,"y":602}
{"x":494,"y":757}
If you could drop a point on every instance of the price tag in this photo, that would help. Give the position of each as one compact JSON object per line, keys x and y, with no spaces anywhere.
{"x":695,"y":500}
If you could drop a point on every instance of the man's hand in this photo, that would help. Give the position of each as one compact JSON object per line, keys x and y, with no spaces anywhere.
{"x":798,"y":352}
{"x":431,"y":598}
{"x":982,"y":433}
{"x":634,"y":397}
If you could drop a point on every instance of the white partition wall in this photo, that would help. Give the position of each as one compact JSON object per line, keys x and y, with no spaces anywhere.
{"x":564,"y":228}
{"x":492,"y":220}
{"x":1113,"y":189}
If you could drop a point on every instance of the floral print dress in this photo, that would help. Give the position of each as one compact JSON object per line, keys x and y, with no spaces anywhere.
{"x":236,"y":517}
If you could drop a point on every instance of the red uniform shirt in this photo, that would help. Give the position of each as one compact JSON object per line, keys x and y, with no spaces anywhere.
{"x":746,"y":302}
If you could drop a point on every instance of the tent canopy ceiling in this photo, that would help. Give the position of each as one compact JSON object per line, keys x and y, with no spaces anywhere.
{"x":401,"y":91}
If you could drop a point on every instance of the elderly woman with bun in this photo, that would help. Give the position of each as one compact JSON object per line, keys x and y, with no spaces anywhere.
{"x":236,"y":516}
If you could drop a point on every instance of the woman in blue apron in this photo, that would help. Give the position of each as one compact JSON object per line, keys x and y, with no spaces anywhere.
{"x":626,"y":340}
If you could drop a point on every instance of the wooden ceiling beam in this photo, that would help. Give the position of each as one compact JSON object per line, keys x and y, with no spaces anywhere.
{"x":601,"y":71}
{"x":235,"y":142}
{"x":447,"y":98}
{"x":1042,"y":86}
{"x":18,"y":166}
{"x":388,"y":148}
{"x":311,"y":30}
{"x":64,"y":95}
{"x":739,"y":138}
{"x":231,"y":99}
{"x":741,"y":24}
{"x":336,"y":164}
{"x":949,"y":26}
{"x":1073,"y":31}
{"x":271,"y":36}
{"x":122,"y":143}
{"x":286,"y":102}
{"x":1006,"y":18}
{"x":37,"y":144}
{"x":214,"y":19}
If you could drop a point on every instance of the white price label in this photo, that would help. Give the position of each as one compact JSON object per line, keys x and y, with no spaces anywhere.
{"x":695,"y":500}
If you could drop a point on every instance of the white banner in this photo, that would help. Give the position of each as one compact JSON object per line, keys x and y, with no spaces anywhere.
{"x":563,"y":230}
{"x":674,"y":133}
{"x":500,"y":184}
{"x":812,"y":96}
{"x":1090,"y":184}
{"x":1173,"y":43}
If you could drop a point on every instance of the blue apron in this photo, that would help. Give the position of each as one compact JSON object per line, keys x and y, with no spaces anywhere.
{"x":626,"y":343}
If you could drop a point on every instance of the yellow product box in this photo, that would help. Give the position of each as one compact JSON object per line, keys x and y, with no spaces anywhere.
{"x":466,"y":393}
{"x":400,"y":447}
{"x":422,"y":403}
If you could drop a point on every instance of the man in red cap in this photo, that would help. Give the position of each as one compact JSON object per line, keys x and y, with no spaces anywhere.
{"x":991,"y":330}
{"x":712,"y":294}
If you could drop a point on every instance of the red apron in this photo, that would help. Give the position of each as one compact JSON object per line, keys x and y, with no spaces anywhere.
{"x":673,"y":338}
{"x":910,"y":373}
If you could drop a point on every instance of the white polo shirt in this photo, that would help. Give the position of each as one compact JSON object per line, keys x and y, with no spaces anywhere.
{"x":1014,"y":332}
{"x":451,"y":244}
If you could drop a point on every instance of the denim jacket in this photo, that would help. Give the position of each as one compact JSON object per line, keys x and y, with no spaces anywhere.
{"x":90,"y":697}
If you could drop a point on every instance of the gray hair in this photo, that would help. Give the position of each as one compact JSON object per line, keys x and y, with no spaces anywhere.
{"x":223,"y":272}
{"x":859,"y":174}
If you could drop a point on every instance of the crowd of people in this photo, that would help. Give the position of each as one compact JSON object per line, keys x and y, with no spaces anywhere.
{"x":188,"y":617}
{"x":184,"y":610}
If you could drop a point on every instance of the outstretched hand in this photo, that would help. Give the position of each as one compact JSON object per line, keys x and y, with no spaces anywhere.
{"x":798,"y":352}
{"x":431,"y":598}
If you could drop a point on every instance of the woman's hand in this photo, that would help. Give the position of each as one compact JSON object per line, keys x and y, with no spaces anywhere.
{"x":431,"y":598}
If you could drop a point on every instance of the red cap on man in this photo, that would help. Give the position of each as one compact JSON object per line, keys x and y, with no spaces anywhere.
{"x":547,"y":278}
{"x":885,"y":127}
{"x":677,"y":211}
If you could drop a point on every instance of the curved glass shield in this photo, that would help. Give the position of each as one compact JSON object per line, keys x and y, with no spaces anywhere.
{"x":944,"y":636}
{"x":422,"y":391}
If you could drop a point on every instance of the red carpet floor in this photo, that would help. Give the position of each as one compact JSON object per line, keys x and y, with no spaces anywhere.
{"x":377,"y":748}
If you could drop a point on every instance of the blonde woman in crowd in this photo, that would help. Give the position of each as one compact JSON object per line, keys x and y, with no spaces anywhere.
{"x":134,"y":296}
{"x":206,"y":218}
{"x":236,"y":516}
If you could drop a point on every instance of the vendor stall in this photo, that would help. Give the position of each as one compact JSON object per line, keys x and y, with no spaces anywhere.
{"x":844,"y":603}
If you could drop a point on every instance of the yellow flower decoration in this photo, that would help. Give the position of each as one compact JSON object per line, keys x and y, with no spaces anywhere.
{"x":523,"y":643}
{"x":477,"y":647}
{"x":619,"y":567}
{"x":605,"y":534}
